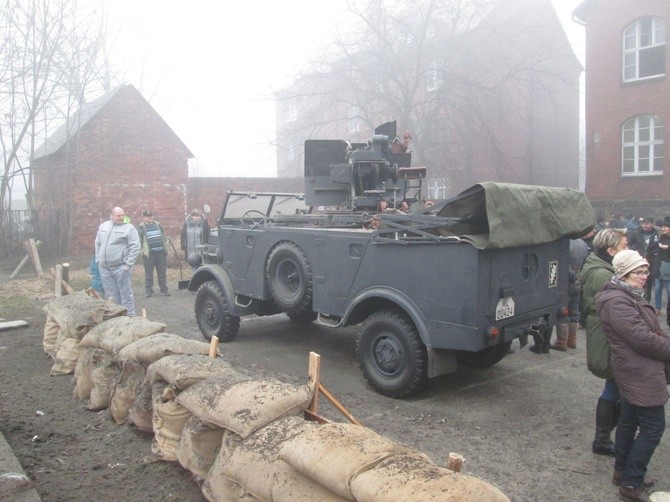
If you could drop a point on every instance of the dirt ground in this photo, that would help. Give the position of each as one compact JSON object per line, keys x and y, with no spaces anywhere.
{"x":525,"y":425}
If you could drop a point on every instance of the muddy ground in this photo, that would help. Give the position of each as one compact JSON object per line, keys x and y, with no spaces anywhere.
{"x":524,"y":425}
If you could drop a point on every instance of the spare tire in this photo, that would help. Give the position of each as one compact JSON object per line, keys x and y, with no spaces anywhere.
{"x":289,"y":278}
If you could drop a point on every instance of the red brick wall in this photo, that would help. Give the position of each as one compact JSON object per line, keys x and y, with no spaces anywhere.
{"x":610,"y":102}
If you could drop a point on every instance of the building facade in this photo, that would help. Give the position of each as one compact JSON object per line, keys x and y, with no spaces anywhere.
{"x":627,"y":105}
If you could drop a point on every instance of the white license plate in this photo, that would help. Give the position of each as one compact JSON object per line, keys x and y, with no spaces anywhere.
{"x":505,"y":308}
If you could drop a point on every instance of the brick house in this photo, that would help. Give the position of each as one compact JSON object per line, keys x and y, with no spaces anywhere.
{"x":117,"y":151}
{"x":627,"y":105}
{"x":496,"y":102}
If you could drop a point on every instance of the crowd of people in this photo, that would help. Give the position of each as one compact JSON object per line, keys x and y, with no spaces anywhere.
{"x":613,"y":275}
{"x":118,"y":245}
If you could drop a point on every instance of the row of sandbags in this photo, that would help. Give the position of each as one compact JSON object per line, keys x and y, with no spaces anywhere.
{"x":245,"y":437}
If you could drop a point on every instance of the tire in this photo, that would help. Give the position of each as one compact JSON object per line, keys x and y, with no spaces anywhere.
{"x":305,"y":317}
{"x":289,"y":279}
{"x":211,"y":313}
{"x":487,"y":357}
{"x":391,"y":354}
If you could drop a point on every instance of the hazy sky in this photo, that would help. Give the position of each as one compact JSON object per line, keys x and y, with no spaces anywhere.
{"x":209,"y":67}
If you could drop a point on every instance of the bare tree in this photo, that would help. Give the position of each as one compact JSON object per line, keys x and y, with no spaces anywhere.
{"x":52,"y":57}
{"x":460,"y":74}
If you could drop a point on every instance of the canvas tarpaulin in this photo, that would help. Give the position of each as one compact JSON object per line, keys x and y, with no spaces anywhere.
{"x":500,"y":215}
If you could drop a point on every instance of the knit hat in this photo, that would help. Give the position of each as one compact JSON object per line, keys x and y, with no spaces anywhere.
{"x":666,"y":222}
{"x":626,"y":261}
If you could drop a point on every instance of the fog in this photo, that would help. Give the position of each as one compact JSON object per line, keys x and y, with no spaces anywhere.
{"x":209,"y":69}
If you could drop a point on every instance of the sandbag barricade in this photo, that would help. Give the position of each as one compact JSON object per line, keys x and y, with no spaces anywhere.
{"x":247,"y":438}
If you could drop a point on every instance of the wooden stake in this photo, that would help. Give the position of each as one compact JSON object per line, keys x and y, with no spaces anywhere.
{"x":66,"y":272}
{"x":144,"y":313}
{"x":58,"y":283}
{"x":4,"y":326}
{"x":31,"y":247}
{"x":338,"y":405}
{"x":23,"y":263}
{"x":68,"y":289}
{"x":455,"y":462}
{"x":213,"y":346}
{"x":314,"y":373}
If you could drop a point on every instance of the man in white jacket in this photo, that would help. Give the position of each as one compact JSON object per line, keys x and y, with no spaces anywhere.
{"x":117,"y":246}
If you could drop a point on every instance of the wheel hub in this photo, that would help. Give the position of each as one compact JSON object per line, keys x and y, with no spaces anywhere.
{"x":388,"y":354}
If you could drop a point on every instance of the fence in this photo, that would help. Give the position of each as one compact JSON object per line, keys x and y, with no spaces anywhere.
{"x":48,"y":226}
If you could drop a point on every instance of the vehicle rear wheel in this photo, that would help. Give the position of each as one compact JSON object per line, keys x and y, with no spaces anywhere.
{"x":289,"y":278}
{"x":391,"y":354}
{"x":211,"y":313}
{"x":487,"y":357}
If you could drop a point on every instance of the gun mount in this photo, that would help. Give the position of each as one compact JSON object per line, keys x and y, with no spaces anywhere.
{"x":357,"y":176}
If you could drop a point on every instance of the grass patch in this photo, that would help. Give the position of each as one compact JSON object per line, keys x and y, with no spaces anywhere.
{"x":15,"y":307}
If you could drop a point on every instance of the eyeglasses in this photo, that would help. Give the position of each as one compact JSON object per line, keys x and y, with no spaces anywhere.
{"x":640,"y":272}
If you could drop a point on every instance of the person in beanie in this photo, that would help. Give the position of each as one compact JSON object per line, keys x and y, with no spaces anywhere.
{"x":194,"y":233}
{"x":639,"y":349}
{"x":596,"y":272}
{"x":154,"y":253}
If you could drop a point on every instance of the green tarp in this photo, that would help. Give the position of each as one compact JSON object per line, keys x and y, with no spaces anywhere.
{"x":502,"y":215}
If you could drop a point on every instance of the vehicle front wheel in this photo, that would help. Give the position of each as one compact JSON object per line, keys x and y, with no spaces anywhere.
{"x":487,"y":357}
{"x":212,"y":315}
{"x":392,"y":356}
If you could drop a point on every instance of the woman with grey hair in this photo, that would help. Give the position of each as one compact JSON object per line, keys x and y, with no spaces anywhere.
{"x":596,"y":272}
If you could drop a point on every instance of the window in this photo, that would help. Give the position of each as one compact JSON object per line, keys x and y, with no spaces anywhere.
{"x":353,"y":118}
{"x":644,"y":49}
{"x":290,"y":111}
{"x":642,"y":145}
{"x":433,"y":77}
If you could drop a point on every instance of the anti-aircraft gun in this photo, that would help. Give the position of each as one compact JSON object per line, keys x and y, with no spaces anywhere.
{"x":357,"y":176}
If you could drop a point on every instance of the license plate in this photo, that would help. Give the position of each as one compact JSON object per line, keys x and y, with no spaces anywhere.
{"x":505,"y":308}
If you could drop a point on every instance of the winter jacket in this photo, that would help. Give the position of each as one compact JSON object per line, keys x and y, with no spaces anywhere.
{"x":595,"y":274}
{"x":152,"y":238}
{"x":655,"y":255}
{"x":116,"y":245}
{"x":639,"y":346}
{"x":639,"y":240}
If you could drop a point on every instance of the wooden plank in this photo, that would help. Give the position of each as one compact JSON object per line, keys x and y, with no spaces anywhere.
{"x":35,"y":257}
{"x":314,"y":373}
{"x":213,"y":346}
{"x":58,"y":281}
{"x":23,"y":263}
{"x":6,"y":326}
{"x":455,"y":462}
{"x":338,"y":405}
{"x":68,"y":289}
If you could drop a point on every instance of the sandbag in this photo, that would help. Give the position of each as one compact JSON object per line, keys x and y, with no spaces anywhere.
{"x":402,"y":477}
{"x":114,"y":334}
{"x":291,"y":486}
{"x":50,"y":336}
{"x":168,"y":421}
{"x":246,"y":406}
{"x":198,"y":446}
{"x":82,"y":374}
{"x":254,"y":461}
{"x":227,"y":491}
{"x":151,"y":348}
{"x":125,"y":391}
{"x":333,"y":454}
{"x":184,"y":370}
{"x":141,"y":412}
{"x":66,"y":357}
{"x":104,"y":375}
{"x":77,"y":313}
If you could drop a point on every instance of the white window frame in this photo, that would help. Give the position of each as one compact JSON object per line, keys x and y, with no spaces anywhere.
{"x":640,"y":145}
{"x":634,"y":44}
{"x":433,"y":77}
{"x":290,"y":111}
{"x":353,"y":119}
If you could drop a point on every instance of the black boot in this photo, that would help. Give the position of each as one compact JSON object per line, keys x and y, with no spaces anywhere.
{"x":605,"y":423}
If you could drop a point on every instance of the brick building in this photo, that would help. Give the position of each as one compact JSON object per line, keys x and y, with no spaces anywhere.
{"x":627,"y":105}
{"x":117,"y":151}
{"x":497,"y":99}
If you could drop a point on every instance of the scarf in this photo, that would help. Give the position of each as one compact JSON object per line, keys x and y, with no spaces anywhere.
{"x":620,"y":282}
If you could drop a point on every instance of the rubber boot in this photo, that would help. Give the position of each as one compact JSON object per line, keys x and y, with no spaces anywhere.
{"x":606,"y":415}
{"x":561,"y":338}
{"x":572,"y":335}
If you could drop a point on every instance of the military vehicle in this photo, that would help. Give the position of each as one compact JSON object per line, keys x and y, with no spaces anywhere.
{"x":455,"y":282}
